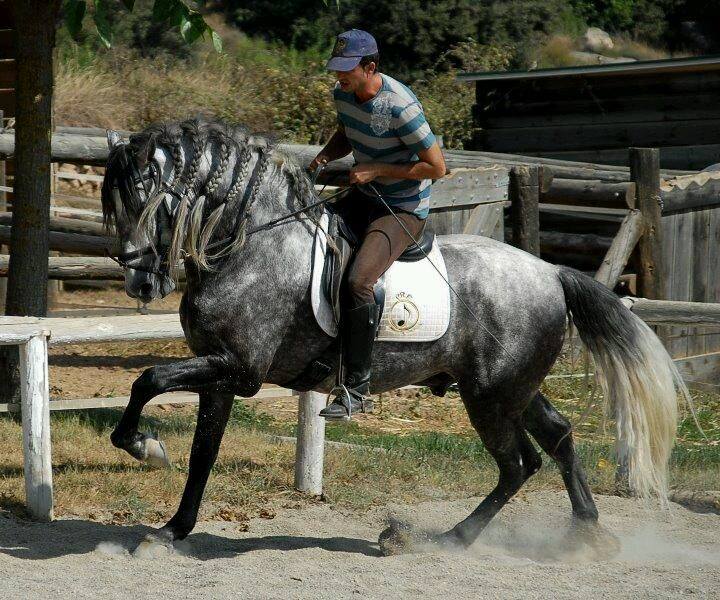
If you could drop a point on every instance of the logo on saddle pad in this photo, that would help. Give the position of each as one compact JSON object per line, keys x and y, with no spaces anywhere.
{"x":404,"y":313}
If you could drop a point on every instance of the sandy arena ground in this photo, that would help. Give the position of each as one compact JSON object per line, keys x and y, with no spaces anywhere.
{"x":320,"y":552}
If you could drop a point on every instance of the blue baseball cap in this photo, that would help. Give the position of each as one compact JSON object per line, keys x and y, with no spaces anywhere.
{"x":350,"y":47}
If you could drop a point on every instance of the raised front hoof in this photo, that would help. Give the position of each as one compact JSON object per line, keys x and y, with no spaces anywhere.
{"x":588,"y":541}
{"x":158,"y":544}
{"x":156,"y":454}
{"x":145,"y":448}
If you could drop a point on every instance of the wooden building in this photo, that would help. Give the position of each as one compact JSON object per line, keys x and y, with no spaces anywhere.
{"x":594,"y":113}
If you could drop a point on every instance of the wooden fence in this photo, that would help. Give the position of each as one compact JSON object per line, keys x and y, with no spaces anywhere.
{"x":33,"y":336}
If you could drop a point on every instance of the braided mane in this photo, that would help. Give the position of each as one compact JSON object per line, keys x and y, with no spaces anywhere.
{"x":203,"y":201}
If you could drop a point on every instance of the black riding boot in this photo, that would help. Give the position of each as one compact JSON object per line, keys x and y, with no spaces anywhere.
{"x":360,"y":328}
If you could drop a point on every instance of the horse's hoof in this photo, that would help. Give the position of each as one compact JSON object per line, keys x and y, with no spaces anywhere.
{"x":589,"y":541}
{"x":153,"y":547}
{"x":396,"y":539}
{"x":155,"y":454}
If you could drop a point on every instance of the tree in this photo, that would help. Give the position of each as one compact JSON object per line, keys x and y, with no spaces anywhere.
{"x":36,"y":23}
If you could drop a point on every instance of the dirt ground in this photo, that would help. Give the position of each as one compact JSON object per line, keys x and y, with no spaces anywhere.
{"x":319,"y":552}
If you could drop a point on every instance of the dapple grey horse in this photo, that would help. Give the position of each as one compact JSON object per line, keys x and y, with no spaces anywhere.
{"x":215,"y":196}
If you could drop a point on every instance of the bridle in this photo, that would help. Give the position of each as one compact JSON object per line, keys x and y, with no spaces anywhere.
{"x":127,"y":259}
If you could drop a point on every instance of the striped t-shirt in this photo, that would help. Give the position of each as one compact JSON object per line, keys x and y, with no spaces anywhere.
{"x":390,"y":128}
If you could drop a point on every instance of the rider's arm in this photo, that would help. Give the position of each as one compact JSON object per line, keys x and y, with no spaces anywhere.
{"x":337,"y":147}
{"x":430,"y":166}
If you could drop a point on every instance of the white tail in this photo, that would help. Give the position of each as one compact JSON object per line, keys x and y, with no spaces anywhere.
{"x":638,"y":377}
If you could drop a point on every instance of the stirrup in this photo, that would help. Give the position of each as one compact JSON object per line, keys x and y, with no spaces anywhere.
{"x":346,"y":397}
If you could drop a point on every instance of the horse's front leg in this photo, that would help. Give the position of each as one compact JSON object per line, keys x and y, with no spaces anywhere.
{"x":213,"y":414}
{"x":195,"y":374}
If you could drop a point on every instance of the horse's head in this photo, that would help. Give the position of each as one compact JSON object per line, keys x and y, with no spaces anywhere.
{"x":134,"y":180}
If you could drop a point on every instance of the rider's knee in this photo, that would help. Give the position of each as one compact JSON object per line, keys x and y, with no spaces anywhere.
{"x":360,"y":288}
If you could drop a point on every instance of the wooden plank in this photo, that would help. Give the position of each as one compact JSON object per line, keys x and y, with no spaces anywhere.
{"x":610,"y":135}
{"x":712,"y":289}
{"x":695,"y":156}
{"x":7,"y":73}
{"x":579,"y":192}
{"x":441,"y":221}
{"x":463,"y":187}
{"x":645,"y":170}
{"x":573,"y":111}
{"x":7,"y":43}
{"x":524,"y":211}
{"x":7,"y":102}
{"x":80,"y":268}
{"x":93,"y":150}
{"x":672,"y":312}
{"x":310,"y":443}
{"x":36,"y":428}
{"x":97,"y":329}
{"x":699,"y":269}
{"x":91,"y":245}
{"x":167,"y":398}
{"x":619,"y":253}
{"x":682,"y":276}
{"x":703,"y":368}
{"x":669,"y":232}
{"x":65,"y":225}
{"x":694,"y":195}
{"x":484,"y":220}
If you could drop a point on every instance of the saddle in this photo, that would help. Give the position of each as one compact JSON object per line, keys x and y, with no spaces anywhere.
{"x":413,"y":297}
{"x":343,"y":242}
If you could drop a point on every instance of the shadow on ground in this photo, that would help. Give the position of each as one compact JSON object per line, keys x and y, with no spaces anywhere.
{"x":41,"y":541}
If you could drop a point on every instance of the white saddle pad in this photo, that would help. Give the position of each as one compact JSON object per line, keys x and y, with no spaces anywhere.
{"x":417,"y":299}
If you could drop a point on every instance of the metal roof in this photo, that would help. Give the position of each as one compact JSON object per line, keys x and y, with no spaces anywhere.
{"x":667,"y":65}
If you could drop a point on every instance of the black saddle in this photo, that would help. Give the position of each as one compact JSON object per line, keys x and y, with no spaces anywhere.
{"x":346,"y":242}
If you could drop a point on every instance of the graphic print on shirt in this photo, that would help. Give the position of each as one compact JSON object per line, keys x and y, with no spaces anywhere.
{"x":381,"y":113}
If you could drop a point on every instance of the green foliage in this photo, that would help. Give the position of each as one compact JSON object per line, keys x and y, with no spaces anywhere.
{"x":447,"y":102}
{"x":105,"y":15}
{"x":421,"y":29}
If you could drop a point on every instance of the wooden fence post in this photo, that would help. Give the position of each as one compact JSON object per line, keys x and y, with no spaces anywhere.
{"x":310,"y":450}
{"x":645,"y":172}
{"x":524,"y":210}
{"x":622,"y":246}
{"x":35,"y":403}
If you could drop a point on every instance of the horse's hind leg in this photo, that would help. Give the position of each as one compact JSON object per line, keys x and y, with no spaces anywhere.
{"x":554,"y":434}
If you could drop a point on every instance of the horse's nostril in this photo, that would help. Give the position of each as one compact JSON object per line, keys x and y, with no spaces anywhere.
{"x":146,"y":290}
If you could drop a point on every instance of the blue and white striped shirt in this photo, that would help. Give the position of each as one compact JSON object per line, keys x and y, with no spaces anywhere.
{"x":390,"y":128}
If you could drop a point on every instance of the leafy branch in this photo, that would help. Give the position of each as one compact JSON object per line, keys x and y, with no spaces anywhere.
{"x":176,"y":13}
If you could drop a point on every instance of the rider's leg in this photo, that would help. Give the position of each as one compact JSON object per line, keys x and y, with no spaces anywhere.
{"x":385,"y":240}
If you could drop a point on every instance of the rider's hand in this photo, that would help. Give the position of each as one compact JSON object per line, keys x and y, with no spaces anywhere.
{"x":320,"y":159}
{"x":363,"y":173}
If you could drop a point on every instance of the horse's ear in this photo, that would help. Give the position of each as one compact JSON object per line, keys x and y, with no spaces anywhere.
{"x":113,"y":138}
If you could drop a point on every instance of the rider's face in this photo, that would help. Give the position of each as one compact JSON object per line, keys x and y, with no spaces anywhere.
{"x":356,"y":79}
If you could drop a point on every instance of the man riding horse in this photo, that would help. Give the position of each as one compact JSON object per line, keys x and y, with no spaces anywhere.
{"x":382,"y":123}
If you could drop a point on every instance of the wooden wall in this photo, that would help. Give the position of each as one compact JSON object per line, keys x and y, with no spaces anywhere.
{"x":596,"y":118}
{"x":691,"y":254}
